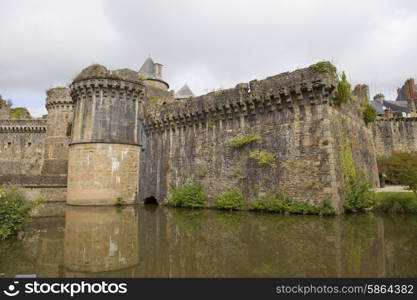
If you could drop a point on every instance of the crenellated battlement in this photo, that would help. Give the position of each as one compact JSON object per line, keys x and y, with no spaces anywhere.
{"x":302,"y":87}
{"x":115,"y":88}
{"x":402,"y":119}
{"x":23,"y":126}
{"x":58,"y":97}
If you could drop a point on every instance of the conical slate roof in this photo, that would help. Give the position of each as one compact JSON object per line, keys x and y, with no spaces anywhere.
{"x":184,"y":92}
{"x":148,"y":69}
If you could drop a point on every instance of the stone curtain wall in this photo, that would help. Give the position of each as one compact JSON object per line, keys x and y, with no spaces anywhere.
{"x":349,"y":134}
{"x":395,"y":135}
{"x":21,"y":146}
{"x":291,"y":114}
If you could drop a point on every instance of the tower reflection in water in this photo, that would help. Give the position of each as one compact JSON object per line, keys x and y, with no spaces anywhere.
{"x":101,"y":242}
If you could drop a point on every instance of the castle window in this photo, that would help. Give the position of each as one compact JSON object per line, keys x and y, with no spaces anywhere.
{"x":29,"y":144}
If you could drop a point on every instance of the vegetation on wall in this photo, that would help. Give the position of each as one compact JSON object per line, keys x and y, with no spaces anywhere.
{"x":322,"y":66}
{"x":17,"y":113}
{"x":13,"y":212}
{"x":279,"y":202}
{"x":244,"y":140}
{"x":368,"y":112}
{"x":93,"y":71}
{"x":343,"y":93}
{"x":190,"y":194}
{"x":153,"y":100}
{"x":229,"y":200}
{"x":263,"y":157}
{"x":400,"y":168}
{"x":69,"y":129}
{"x":356,"y":188}
{"x":120,"y":201}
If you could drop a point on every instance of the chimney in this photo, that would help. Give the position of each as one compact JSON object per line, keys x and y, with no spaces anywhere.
{"x":158,"y":70}
{"x":410,"y":89}
{"x":388,"y":113}
{"x":379,"y":97}
{"x":361,"y":91}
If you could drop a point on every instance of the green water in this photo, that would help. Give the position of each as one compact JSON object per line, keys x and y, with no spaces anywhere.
{"x":155,"y":241}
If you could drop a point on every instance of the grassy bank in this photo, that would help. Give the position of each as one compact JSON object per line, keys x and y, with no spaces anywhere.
{"x":395,"y":202}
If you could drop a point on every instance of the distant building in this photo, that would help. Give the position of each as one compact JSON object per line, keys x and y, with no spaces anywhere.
{"x":184,"y":92}
{"x":403,"y":106}
{"x":152,"y":74}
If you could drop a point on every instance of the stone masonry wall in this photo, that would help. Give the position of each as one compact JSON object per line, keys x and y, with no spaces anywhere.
{"x":104,"y":151}
{"x":395,"y":135}
{"x":291,"y":114}
{"x":59,"y":125}
{"x":21,"y":146}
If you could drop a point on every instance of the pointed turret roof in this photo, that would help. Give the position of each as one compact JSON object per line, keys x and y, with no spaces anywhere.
{"x":148,"y":68}
{"x":184,"y":92}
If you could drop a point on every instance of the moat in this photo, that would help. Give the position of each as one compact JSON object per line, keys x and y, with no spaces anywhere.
{"x":154,"y":241}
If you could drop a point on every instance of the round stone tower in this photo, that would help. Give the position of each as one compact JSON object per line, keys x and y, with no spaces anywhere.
{"x":59,"y":123}
{"x":103,"y":166}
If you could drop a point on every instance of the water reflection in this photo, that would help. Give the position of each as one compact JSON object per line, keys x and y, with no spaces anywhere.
{"x":100,"y":240}
{"x":154,"y":241}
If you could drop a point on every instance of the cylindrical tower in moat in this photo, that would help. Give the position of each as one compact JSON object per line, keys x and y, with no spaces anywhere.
{"x":103,"y":165}
{"x":59,"y":123}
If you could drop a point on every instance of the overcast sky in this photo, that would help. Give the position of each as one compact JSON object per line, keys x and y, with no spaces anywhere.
{"x":207,"y":44}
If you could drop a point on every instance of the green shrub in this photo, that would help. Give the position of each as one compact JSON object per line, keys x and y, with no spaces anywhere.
{"x":400,"y":168}
{"x":358,"y":195}
{"x":279,"y":202}
{"x":369,"y":113}
{"x":356,"y":188}
{"x":244,"y":140}
{"x":13,"y":212}
{"x":232,"y":200}
{"x":190,"y":194}
{"x":323,"y":66}
{"x":263,"y":157}
{"x":17,"y":113}
{"x":120,"y":201}
{"x":343,"y":92}
{"x":395,"y":202}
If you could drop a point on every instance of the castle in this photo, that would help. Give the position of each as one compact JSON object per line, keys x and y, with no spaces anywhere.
{"x":122,"y":134}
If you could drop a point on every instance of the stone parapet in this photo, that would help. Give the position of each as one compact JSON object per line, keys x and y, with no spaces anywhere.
{"x":16,"y":126}
{"x":58,"y":97}
{"x":98,"y":103}
{"x":284,"y":91}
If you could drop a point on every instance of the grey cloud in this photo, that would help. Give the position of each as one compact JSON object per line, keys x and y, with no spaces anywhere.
{"x":208,"y":44}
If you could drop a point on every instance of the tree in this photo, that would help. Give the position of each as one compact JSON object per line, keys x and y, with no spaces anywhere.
{"x":343,"y":92}
{"x":401,"y":168}
{"x":369,"y":113}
